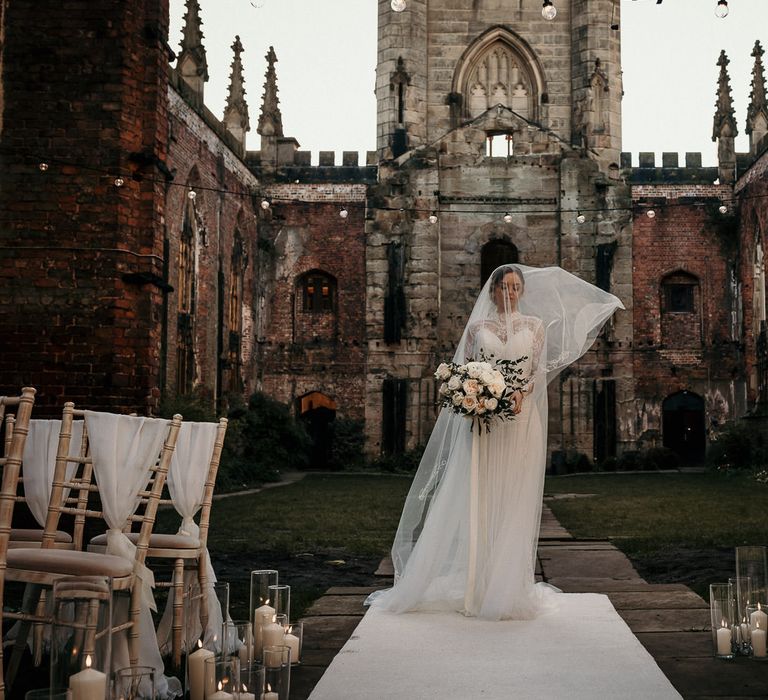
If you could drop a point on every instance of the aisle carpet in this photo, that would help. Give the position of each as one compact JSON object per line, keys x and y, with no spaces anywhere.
{"x":584,"y":650}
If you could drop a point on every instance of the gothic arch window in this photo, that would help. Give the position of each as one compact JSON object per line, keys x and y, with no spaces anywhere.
{"x":680,"y":310}
{"x":187,"y":264}
{"x":500,"y":68}
{"x":238,"y":263}
{"x":759,"y":299}
{"x":317,"y":291}
{"x":496,"y":253}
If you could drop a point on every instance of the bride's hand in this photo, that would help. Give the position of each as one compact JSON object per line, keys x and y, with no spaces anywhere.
{"x":517,"y":398}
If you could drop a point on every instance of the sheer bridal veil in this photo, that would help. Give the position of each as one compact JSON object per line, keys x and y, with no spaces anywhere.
{"x":571,"y":313}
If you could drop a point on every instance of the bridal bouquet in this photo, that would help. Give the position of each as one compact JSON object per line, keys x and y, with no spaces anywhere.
{"x":481,"y":389}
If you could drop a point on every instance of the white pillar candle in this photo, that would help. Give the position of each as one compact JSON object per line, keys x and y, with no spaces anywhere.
{"x":88,"y":684}
{"x":268,"y":696}
{"x":221,"y":695}
{"x":758,"y":618}
{"x":196,"y":666}
{"x":723,"y":641}
{"x":272,"y":635}
{"x":261,"y":616}
{"x":744,"y":631}
{"x":292,"y":641}
{"x":758,"y":642}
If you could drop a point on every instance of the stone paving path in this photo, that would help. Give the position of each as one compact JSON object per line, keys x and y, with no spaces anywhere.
{"x":670,"y":620}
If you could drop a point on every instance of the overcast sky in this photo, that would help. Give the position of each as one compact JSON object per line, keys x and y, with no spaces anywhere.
{"x":326,"y":54}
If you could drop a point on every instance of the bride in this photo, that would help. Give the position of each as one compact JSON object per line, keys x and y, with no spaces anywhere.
{"x":469,"y":529}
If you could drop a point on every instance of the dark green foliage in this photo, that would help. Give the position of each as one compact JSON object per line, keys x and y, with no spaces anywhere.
{"x":739,"y":445}
{"x":348,"y":443}
{"x":262,"y":438}
{"x":404,"y":463}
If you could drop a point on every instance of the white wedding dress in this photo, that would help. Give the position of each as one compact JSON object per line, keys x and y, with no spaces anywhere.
{"x":468,"y":533}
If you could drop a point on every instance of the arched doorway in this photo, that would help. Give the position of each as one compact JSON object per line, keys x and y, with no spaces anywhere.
{"x":683,"y":425}
{"x":317,"y":411}
{"x":494,"y":254}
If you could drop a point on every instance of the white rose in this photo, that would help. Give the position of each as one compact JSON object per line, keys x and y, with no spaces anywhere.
{"x":497,"y":376}
{"x":457,"y":398}
{"x":444,"y":390}
{"x":474,"y":369}
{"x":469,"y":403}
{"x":486,"y":366}
{"x":491,"y":404}
{"x":470,"y":387}
{"x":454,"y":383}
{"x":497,"y":388}
{"x":443,"y":372}
{"x":487,"y":377}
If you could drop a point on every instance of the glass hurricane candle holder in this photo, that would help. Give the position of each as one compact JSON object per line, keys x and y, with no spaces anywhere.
{"x":277,"y":672}
{"x":758,"y":628}
{"x":294,"y":638}
{"x":261,"y":606}
{"x":252,"y":681}
{"x":281,"y":595}
{"x":722,"y":619}
{"x":237,"y":636}
{"x":222,"y":678}
{"x":81,"y":635}
{"x":752,"y":566}
{"x":134,"y":683}
{"x":48,"y":694}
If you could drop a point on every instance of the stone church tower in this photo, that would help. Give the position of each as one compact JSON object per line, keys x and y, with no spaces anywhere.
{"x":499,"y":139}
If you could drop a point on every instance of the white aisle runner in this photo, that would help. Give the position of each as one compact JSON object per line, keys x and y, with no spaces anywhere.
{"x":582,"y":651}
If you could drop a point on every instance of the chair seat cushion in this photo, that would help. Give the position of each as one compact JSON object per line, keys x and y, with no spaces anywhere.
{"x":68,"y":563}
{"x":35,"y":535}
{"x":156,"y":541}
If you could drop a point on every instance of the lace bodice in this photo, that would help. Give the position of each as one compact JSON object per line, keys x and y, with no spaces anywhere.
{"x":508,"y":338}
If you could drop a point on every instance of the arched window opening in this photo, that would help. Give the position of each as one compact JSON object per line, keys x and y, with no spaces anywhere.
{"x":494,"y":254}
{"x":238,"y":264}
{"x":318,"y":292}
{"x":187,"y":263}
{"x":317,"y":411}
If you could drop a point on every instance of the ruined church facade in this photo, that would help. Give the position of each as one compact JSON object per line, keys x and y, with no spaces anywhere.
{"x":337,"y":288}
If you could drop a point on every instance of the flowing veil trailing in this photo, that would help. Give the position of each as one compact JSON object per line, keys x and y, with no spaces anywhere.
{"x":437,"y":553}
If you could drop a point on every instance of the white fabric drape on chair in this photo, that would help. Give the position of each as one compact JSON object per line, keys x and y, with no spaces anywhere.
{"x":123,"y":449}
{"x":187,"y":475}
{"x":40,"y":462}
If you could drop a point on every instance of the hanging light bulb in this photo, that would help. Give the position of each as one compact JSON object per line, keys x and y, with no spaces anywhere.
{"x":43,"y":167}
{"x":398,"y":5}
{"x":548,"y":10}
{"x":119,"y":182}
{"x":192,"y":194}
{"x":343,"y":213}
{"x":580,"y":218}
{"x":508,"y":218}
{"x":650,"y":214}
{"x":721,"y":9}
{"x":433,"y":218}
{"x":265,"y":204}
{"x":723,"y":209}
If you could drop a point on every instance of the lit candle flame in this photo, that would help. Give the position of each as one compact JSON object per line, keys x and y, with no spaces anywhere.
{"x":88,"y":661}
{"x":269,"y":688}
{"x":199,"y":644}
{"x":220,"y":686}
{"x":722,"y":624}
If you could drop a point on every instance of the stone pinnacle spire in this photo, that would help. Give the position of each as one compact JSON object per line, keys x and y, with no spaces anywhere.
{"x":724,"y":129}
{"x":757,"y":112}
{"x":271,"y":120}
{"x":725,"y":122}
{"x":192,"y":62}
{"x":236,"y":110}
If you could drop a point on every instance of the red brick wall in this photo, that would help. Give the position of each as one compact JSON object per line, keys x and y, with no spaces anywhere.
{"x":680,"y":351}
{"x":312,"y":236}
{"x":224,"y":205}
{"x":84,"y":86}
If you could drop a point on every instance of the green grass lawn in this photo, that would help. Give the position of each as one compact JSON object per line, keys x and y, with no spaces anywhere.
{"x":675,"y":527}
{"x":333,"y":529}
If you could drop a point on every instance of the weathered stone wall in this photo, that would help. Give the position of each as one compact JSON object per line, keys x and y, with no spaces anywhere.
{"x":84,"y":87}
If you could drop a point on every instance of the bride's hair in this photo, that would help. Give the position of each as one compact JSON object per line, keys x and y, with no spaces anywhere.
{"x":497,"y":278}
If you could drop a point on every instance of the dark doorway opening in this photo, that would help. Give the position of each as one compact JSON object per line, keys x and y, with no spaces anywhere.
{"x":317,"y":411}
{"x":683,"y":426}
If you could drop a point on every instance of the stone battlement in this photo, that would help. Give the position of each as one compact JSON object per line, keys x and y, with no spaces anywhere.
{"x":670,"y":171}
